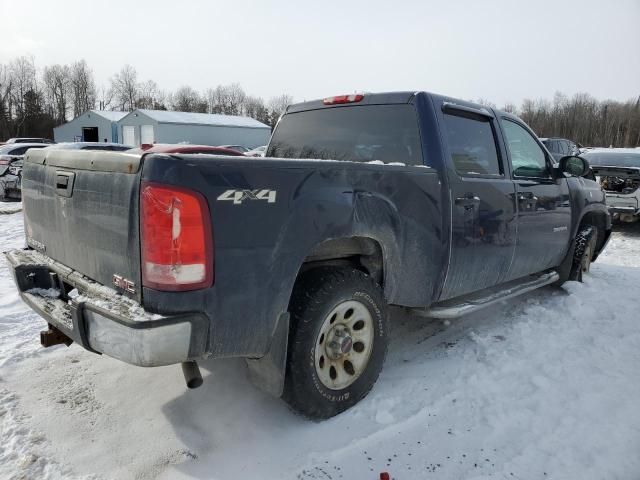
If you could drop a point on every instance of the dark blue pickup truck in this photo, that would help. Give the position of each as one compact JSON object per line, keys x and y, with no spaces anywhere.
{"x":291,"y":261}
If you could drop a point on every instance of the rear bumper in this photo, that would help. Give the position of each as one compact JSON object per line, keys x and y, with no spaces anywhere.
{"x":100,"y":319}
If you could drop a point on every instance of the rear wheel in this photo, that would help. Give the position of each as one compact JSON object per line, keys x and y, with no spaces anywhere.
{"x":585,"y":245}
{"x":338,"y":341}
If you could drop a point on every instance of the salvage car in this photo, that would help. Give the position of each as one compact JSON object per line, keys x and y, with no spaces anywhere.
{"x":560,"y":147}
{"x":106,"y":146}
{"x":185,"y":148}
{"x":11,"y":156}
{"x":28,"y":140}
{"x":618,"y":171}
{"x":291,"y":261}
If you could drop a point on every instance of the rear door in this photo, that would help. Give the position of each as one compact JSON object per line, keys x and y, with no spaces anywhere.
{"x":483,"y":232}
{"x":544,"y":211}
{"x":81,"y":209}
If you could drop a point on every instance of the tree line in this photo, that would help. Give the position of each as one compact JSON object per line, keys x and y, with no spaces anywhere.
{"x":582,"y":118}
{"x":33,"y":101}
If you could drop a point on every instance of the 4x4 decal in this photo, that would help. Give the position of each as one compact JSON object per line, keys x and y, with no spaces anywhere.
{"x":238,"y":196}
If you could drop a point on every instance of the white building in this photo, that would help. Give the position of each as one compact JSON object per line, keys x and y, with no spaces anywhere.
{"x":161,"y":126}
{"x":91,"y":126}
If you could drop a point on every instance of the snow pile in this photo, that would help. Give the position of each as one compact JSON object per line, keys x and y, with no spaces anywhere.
{"x":541,"y":386}
{"x":7,"y":208}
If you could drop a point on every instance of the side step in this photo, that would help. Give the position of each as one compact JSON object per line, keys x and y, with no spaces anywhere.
{"x":457,"y":307}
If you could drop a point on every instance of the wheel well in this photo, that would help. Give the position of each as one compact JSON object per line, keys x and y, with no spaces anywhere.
{"x":598,"y":220}
{"x":362,"y":253}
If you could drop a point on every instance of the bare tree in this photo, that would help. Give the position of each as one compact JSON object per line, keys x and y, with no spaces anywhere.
{"x":23,"y":78}
{"x":226,"y":99}
{"x":83,"y":88}
{"x":125,"y":89}
{"x":6,"y":99}
{"x":57,"y":83}
{"x":150,"y":96}
{"x":104,"y":97}
{"x":186,"y":99}
{"x":278,"y":105}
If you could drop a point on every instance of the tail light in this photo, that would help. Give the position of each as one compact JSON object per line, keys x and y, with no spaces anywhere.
{"x":343,"y":99}
{"x":176,"y":238}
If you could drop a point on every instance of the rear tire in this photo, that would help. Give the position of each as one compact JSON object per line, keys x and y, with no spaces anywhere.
{"x":338,"y":341}
{"x":585,"y":244}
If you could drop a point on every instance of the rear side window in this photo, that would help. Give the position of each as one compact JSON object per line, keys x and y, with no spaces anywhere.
{"x":472,"y":145}
{"x":18,"y":151}
{"x":356,"y":133}
{"x":551,"y":146}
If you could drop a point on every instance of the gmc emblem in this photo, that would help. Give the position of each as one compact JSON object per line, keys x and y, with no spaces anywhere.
{"x":124,"y":284}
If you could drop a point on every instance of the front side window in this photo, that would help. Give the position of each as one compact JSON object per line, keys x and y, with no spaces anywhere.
{"x":472,"y":145}
{"x":356,"y":133}
{"x":527,"y":158}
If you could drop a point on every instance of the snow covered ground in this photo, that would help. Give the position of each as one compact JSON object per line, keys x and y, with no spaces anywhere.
{"x":545,"y":386}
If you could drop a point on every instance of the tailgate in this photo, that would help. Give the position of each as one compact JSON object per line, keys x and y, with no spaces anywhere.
{"x":81,"y":209}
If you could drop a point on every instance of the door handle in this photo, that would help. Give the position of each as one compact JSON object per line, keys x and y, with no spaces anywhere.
{"x":468,"y":200}
{"x":526,"y":196}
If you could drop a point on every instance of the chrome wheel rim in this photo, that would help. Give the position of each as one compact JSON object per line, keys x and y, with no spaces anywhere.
{"x":344,"y":344}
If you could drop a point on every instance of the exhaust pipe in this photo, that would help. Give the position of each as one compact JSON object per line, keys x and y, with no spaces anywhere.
{"x":192,"y":374}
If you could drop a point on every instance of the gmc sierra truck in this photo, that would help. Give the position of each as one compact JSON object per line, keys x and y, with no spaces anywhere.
{"x":291,"y":261}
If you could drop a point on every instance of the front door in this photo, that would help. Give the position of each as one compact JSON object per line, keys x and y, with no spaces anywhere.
{"x":483,"y":234}
{"x":544,"y":210}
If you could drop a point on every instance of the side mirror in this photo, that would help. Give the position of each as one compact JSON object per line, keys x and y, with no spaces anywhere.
{"x":574,"y":166}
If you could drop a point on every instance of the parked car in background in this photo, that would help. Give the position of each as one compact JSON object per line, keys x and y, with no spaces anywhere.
{"x":618,"y":171}
{"x":110,"y":147}
{"x":257,"y":152}
{"x":560,"y":147}
{"x":28,"y":140}
{"x":11,"y":157}
{"x":427,"y":202}
{"x":238,"y":148}
{"x":185,"y":148}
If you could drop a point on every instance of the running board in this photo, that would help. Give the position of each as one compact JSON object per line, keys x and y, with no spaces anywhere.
{"x":461,"y":306}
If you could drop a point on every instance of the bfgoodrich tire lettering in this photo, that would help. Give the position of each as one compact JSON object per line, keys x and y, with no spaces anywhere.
{"x":317,"y":298}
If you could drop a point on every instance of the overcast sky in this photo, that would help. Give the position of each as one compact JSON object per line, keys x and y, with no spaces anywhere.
{"x":502,"y":51}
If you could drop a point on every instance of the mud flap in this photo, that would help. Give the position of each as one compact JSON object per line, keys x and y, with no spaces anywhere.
{"x":268,"y":372}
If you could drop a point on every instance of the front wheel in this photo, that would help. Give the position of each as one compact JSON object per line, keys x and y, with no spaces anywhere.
{"x":338,"y":341}
{"x":585,"y":246}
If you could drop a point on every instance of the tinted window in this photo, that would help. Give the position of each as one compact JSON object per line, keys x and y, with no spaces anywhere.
{"x":472,"y":145}
{"x":356,"y":133}
{"x":565,"y":147}
{"x":527,"y":158}
{"x":18,"y":151}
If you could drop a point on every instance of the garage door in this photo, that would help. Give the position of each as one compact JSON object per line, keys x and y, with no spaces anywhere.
{"x":146,"y":134}
{"x":129,"y":135}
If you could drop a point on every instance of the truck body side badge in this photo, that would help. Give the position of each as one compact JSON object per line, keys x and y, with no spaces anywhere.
{"x":238,"y":196}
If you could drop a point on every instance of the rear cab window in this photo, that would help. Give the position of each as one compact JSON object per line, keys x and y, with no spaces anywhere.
{"x":472,"y":145}
{"x":362,"y":133}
